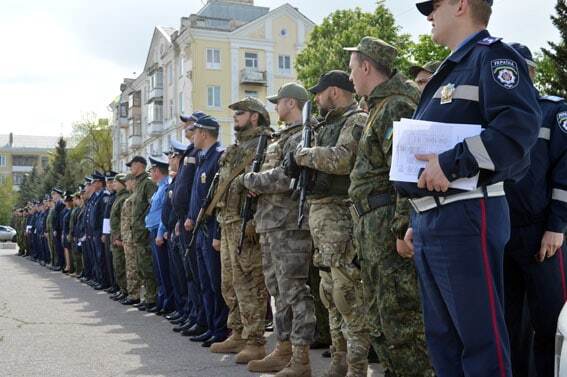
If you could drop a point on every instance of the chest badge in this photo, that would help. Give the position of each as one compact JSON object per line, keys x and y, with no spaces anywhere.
{"x":447,"y":94}
{"x":203,"y":178}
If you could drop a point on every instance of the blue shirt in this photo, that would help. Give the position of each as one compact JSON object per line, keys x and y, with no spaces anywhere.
{"x":153,"y":218}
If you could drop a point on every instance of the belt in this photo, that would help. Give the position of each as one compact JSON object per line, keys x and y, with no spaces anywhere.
{"x":374,"y":202}
{"x":430,"y":202}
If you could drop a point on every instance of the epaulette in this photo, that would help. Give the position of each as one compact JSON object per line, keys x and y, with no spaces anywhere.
{"x":489,"y":41}
{"x":220,"y":148}
{"x":552,"y":98}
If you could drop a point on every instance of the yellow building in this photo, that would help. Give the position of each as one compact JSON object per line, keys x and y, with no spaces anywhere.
{"x":228,"y":50}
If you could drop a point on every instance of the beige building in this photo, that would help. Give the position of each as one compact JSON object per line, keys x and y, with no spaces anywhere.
{"x":228,"y":50}
{"x":20,"y":153}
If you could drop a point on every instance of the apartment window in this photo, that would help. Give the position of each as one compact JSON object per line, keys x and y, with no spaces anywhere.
{"x":251,"y":93}
{"x":169,"y":74}
{"x":213,"y":98}
{"x":18,"y":178}
{"x":251,"y":60}
{"x":284,"y":64}
{"x":170,"y":109}
{"x":213,"y":58}
{"x":181,"y":66}
{"x":181,"y":107}
{"x":124,"y":110}
{"x":24,"y":160}
{"x":2,"y":160}
{"x":2,"y":179}
{"x":155,"y":112}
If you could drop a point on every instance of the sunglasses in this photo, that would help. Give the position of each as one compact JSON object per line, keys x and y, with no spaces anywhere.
{"x":239,"y":112}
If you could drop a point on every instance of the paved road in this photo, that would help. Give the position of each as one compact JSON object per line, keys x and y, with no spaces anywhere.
{"x":52,"y":325}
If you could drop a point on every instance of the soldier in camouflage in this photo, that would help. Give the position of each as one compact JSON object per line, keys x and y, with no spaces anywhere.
{"x":286,"y":247}
{"x":132,"y":277}
{"x":331,"y":160}
{"x":243,"y":286}
{"x":380,"y":218}
{"x":118,"y":256}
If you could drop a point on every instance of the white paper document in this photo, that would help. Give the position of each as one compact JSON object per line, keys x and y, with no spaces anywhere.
{"x":413,"y":137}
{"x":106,"y":226}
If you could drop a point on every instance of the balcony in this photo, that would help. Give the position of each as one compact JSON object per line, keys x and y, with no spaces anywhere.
{"x":155,"y":94}
{"x":123,"y":149}
{"x":123,"y":122}
{"x":22,"y":169}
{"x":253,"y":77}
{"x":134,"y":141}
{"x":156,"y":127}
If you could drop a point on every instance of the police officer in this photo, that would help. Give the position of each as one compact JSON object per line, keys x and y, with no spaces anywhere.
{"x":159,"y":173}
{"x":207,"y":252}
{"x":143,"y":191}
{"x":58,"y":207}
{"x":243,"y":286}
{"x":332,"y":158}
{"x":422,"y":74}
{"x":534,"y":260}
{"x":380,"y":219}
{"x":95,"y":217}
{"x":286,"y":247}
{"x":109,"y":197}
{"x":459,"y":237}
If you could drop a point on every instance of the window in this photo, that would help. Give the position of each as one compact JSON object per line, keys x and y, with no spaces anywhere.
{"x":170,"y":109}
{"x":251,"y":60}
{"x":155,"y":112}
{"x":181,"y":66}
{"x":251,"y":93}
{"x":2,"y":160}
{"x":213,"y":98}
{"x":18,"y":178}
{"x":169,"y":74}
{"x":24,"y":160}
{"x":124,"y":110}
{"x":213,"y":58}
{"x":284,"y":64}
{"x":181,"y":106}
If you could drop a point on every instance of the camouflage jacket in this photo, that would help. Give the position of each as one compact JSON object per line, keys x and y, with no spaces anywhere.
{"x":276,"y":209}
{"x":389,"y":102}
{"x":116,"y":213}
{"x":141,"y":199}
{"x":126,"y":220}
{"x":339,"y":158}
{"x":244,"y":149}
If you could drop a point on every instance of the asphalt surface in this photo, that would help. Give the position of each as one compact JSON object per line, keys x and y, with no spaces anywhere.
{"x":52,"y":325}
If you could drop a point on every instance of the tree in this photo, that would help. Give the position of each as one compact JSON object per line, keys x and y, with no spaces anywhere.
{"x":425,"y":51}
{"x":93,"y":150}
{"x":546,"y":80}
{"x":56,"y":169}
{"x":7,"y":201}
{"x":345,"y":28}
{"x":557,"y":53}
{"x":31,"y":187}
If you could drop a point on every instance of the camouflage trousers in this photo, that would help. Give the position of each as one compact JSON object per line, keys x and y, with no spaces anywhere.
{"x":322,"y":332}
{"x":119,"y":264}
{"x":242,"y":284}
{"x":392,"y":297}
{"x":145,"y":265}
{"x":286,"y":256}
{"x":341,"y":288}
{"x":132,"y":277}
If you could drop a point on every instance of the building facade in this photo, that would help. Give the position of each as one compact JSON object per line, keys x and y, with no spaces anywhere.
{"x":228,"y":50}
{"x":20,"y":153}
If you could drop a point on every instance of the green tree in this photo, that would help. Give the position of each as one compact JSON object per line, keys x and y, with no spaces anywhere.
{"x":546,"y":80}
{"x":31,"y":187}
{"x":344,"y":28}
{"x":425,"y":50}
{"x":557,"y":53}
{"x":56,"y":170}
{"x":93,"y":150}
{"x":7,"y":201}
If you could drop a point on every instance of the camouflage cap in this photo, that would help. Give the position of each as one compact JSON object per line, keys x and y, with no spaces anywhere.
{"x":290,"y":90}
{"x":430,"y":67}
{"x":252,"y":104}
{"x":121,"y":177}
{"x":376,"y":49}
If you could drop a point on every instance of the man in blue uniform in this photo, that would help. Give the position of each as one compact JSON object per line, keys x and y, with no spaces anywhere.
{"x":94,"y":227}
{"x":534,"y":269}
{"x":59,"y":206}
{"x":109,"y":197}
{"x":208,"y":258}
{"x":459,"y":236}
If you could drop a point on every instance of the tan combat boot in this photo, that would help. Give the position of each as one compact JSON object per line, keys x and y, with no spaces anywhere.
{"x":299,"y":365}
{"x":338,"y":366}
{"x":251,"y":351}
{"x":275,"y":361}
{"x":233,"y":344}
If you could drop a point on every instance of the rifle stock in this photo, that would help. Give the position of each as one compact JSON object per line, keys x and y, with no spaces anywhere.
{"x":201,"y":217}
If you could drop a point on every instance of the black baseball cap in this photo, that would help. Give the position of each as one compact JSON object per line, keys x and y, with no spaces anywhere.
{"x":139,"y":159}
{"x":525,"y":52}
{"x":337,"y":78}
{"x":426,"y":7}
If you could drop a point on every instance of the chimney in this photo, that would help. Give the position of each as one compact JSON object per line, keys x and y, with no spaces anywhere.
{"x":11,"y":140}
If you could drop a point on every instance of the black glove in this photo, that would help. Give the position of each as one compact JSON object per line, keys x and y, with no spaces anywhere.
{"x":291,"y":169}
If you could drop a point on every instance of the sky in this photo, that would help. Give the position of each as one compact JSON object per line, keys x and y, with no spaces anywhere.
{"x":63,"y":59}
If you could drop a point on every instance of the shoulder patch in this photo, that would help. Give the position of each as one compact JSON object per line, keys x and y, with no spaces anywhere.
{"x":505,"y":73}
{"x":552,"y":98}
{"x":488,"y":41}
{"x":562,"y":121}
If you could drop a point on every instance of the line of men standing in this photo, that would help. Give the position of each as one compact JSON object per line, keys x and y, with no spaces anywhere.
{"x":181,"y":233}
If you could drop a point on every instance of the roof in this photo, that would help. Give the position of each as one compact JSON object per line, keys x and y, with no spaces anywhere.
{"x":29,"y":141}
{"x":226,"y":15}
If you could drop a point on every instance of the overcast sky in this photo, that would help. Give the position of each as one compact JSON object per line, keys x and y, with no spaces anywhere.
{"x":63,"y":58}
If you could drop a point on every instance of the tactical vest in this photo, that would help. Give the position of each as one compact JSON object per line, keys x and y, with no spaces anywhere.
{"x":325,"y":184}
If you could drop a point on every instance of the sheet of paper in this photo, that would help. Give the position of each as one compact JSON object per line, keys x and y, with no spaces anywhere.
{"x":411,"y":137}
{"x":106,"y":226}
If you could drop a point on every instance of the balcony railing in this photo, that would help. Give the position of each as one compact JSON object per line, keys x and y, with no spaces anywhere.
{"x":156,"y":127}
{"x":155,"y":93}
{"x":253,"y":76}
{"x":124,"y":149}
{"x":123,"y":122}
{"x":134,"y":141}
